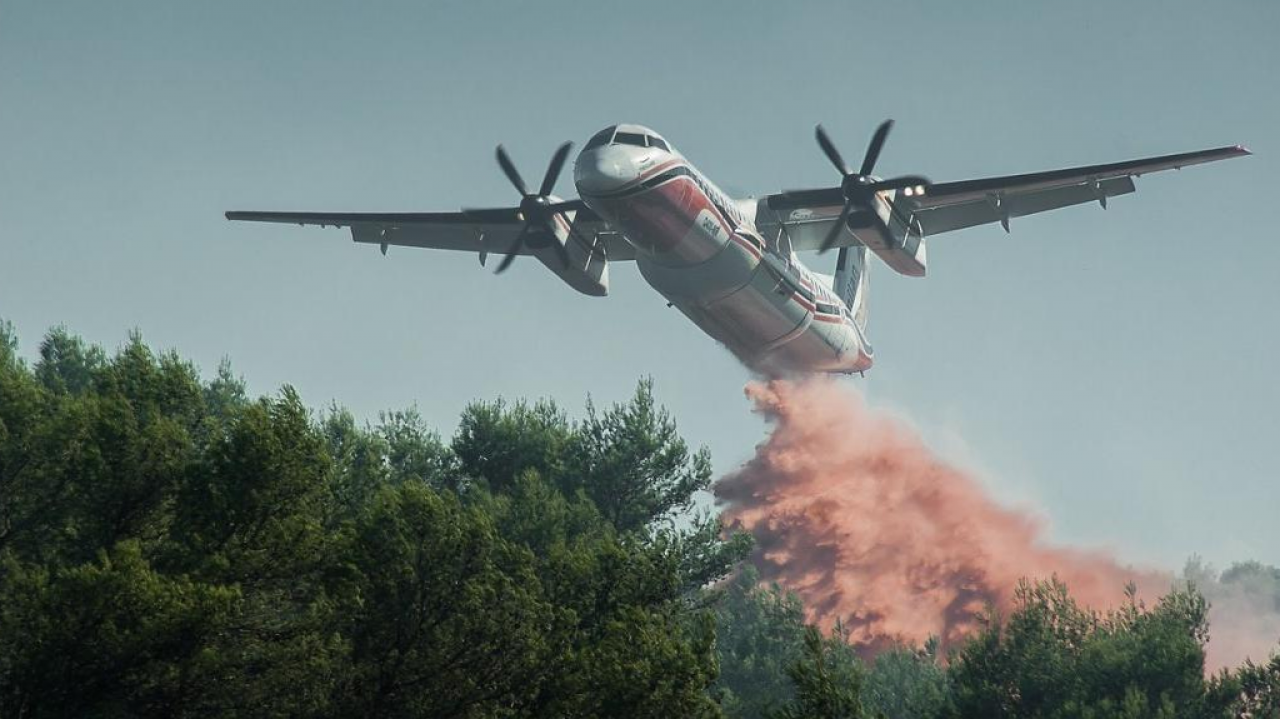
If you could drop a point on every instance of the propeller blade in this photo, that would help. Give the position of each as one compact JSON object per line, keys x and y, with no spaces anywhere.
{"x":553,"y":170}
{"x":834,"y":233}
{"x":567,"y":206}
{"x":830,"y":150}
{"x":873,"y":150}
{"x":512,"y":251}
{"x":509,"y":168}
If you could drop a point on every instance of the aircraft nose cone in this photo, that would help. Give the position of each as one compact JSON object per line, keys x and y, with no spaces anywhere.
{"x":602,"y":170}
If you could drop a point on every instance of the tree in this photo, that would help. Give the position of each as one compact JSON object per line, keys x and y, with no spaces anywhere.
{"x":67,"y":364}
{"x":170,"y":546}
{"x":225,"y":394}
{"x":633,"y":643}
{"x":1052,"y":658}
{"x":93,"y":448}
{"x":1256,"y":690}
{"x":906,"y":682}
{"x":646,"y":661}
{"x":828,"y":677}
{"x":1255,"y":580}
{"x":414,"y":451}
{"x":759,"y":634}
{"x":25,"y":501}
{"x":497,"y":441}
{"x":110,"y":637}
{"x":452,"y":620}
{"x":634,"y":466}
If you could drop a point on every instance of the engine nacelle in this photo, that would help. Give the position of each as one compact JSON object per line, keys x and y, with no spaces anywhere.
{"x":588,"y":268}
{"x":905,"y":251}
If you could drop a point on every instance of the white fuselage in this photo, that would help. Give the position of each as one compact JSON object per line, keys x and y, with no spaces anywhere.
{"x":698,"y":249}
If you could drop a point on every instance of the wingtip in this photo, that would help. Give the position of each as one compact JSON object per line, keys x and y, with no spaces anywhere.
{"x":1244,"y":150}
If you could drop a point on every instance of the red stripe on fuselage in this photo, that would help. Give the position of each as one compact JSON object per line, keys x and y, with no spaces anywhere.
{"x":750,"y":246}
{"x":685,"y":199}
{"x":648,"y":175}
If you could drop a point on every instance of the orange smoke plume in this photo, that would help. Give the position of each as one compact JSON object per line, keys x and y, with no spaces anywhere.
{"x":852,"y":512}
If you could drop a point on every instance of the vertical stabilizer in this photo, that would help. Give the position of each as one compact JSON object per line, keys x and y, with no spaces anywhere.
{"x":850,"y":282}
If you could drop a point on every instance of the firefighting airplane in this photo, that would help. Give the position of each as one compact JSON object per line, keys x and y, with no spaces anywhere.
{"x":730,"y":264}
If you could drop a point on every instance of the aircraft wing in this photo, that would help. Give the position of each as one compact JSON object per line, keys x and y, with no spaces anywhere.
{"x":488,"y":230}
{"x":807,"y":214}
{"x":955,"y":205}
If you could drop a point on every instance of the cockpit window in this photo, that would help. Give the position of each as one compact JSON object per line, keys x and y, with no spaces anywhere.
{"x":626,"y":138}
{"x":658,"y":143}
{"x":601,"y":138}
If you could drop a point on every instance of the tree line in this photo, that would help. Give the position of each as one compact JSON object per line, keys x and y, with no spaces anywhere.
{"x":171,"y":546}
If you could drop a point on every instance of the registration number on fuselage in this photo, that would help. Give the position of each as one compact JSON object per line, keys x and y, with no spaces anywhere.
{"x":710,"y":225}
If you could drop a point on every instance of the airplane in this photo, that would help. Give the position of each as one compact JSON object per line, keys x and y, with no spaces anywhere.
{"x":730,"y":264}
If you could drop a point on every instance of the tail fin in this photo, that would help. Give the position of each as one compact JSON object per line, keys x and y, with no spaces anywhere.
{"x":850,"y":282}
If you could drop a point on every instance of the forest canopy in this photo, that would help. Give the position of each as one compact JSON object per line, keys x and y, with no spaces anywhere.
{"x":171,"y":546}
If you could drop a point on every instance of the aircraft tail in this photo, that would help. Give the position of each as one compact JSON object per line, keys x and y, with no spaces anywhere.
{"x":850,"y":282}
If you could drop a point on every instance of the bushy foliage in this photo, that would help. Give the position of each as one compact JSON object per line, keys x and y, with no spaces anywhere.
{"x":760,"y":633}
{"x":828,"y":677}
{"x":171,"y":546}
{"x":1051,"y":658}
{"x":907,"y":682}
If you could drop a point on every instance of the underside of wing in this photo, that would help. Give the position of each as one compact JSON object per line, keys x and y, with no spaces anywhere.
{"x":802,"y":228}
{"x":955,"y":205}
{"x":806,"y":215}
{"x":485,"y":231}
{"x":1000,"y":208}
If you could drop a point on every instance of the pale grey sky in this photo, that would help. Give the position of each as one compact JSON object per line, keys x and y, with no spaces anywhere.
{"x":1112,"y":370}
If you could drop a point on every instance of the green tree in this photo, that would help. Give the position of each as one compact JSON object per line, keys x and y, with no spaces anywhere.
{"x":633,"y":464}
{"x":35,"y":439}
{"x":1256,"y":690}
{"x":906,"y":682}
{"x":251,"y":514}
{"x":67,"y":364}
{"x":109,"y":638}
{"x":451,"y":620}
{"x":634,"y":644}
{"x":760,"y":634}
{"x":1052,"y":658}
{"x":225,"y":395}
{"x":170,"y":546}
{"x":414,"y":451}
{"x":828,"y":677}
{"x":92,"y":450}
{"x":646,"y":662}
{"x":496,"y":442}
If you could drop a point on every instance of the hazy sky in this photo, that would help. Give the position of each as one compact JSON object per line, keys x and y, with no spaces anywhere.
{"x":1111,"y":369}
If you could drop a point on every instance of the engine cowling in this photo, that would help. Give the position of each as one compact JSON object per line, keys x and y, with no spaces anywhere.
{"x":587,"y":269}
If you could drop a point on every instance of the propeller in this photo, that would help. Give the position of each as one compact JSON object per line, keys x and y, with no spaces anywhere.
{"x":536,"y":209}
{"x":860,"y":188}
